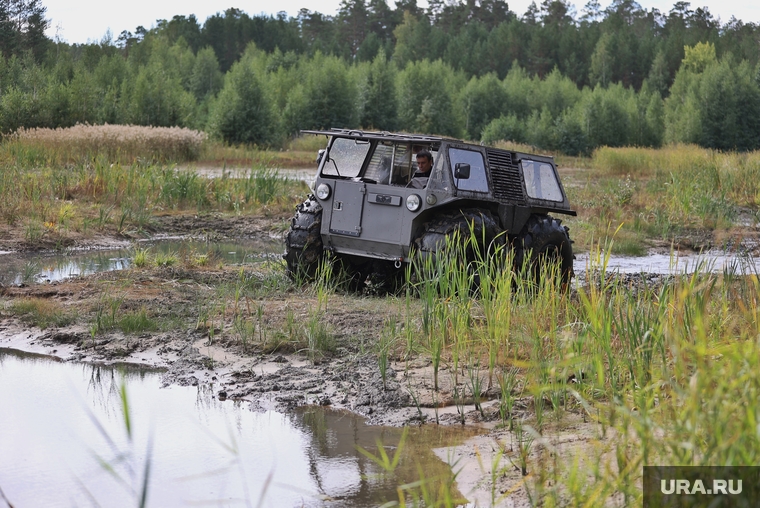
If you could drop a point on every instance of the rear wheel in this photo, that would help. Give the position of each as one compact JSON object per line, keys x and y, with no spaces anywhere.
{"x":303,"y":243}
{"x":542,"y":241}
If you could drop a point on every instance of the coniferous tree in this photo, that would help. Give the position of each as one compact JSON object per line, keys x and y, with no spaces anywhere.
{"x":242,"y":113}
{"x":380,"y":103}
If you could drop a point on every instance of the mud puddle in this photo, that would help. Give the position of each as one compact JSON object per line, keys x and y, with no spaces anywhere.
{"x":62,"y":422}
{"x":54,"y":266}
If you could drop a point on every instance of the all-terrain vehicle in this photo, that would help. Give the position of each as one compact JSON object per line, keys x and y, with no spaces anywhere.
{"x":369,"y":210}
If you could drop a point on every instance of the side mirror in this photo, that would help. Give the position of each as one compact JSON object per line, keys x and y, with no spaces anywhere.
{"x":461,"y":171}
{"x":320,"y":154}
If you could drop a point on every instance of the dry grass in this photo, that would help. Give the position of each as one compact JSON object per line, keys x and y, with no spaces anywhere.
{"x":42,"y":312}
{"x":218,"y":155}
{"x":116,"y":143}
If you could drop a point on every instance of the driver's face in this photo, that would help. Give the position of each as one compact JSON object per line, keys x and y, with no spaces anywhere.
{"x":424,"y":164}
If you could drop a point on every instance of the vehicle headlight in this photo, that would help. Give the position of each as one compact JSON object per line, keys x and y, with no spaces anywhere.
{"x":413,"y":202}
{"x":431,"y":199}
{"x":323,"y":191}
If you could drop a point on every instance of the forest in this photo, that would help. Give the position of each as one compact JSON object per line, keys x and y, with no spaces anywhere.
{"x":551,"y":77}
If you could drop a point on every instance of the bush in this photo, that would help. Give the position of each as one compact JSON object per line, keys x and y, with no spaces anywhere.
{"x":504,"y":128}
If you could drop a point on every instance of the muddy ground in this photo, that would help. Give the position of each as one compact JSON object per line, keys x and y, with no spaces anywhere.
{"x":272,"y":367}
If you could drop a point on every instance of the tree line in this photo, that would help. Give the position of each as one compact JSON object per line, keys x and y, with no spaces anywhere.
{"x":551,"y":78}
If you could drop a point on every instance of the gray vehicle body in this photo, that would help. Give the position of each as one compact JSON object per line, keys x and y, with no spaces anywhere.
{"x":365,"y":213}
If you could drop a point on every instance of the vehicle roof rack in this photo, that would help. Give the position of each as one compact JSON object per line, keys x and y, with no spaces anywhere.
{"x":359,"y":134}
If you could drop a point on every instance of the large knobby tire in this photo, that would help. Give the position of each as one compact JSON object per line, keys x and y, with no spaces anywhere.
{"x":545,"y":240}
{"x":303,"y":242}
{"x":457,"y":226}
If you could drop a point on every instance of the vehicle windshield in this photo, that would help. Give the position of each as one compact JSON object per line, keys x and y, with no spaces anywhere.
{"x":346,"y":157}
{"x":392,"y":163}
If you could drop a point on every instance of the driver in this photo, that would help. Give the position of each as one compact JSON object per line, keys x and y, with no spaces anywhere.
{"x":424,"y":166}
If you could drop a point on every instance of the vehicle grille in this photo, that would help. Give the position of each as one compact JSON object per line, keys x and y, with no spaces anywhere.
{"x":505,"y":177}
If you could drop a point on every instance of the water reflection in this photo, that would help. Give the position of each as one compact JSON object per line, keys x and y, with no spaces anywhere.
{"x":28,"y":268}
{"x":60,"y":420}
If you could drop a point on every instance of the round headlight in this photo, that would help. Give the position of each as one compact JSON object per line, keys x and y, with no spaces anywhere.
{"x":413,"y":202}
{"x":431,"y":199}
{"x":323,"y":191}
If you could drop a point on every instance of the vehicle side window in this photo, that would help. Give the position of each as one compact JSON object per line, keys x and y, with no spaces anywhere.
{"x":346,"y":157}
{"x":540,"y":180}
{"x":478,"y":181}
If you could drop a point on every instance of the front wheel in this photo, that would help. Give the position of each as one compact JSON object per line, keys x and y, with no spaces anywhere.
{"x":303,"y":242}
{"x":543,"y":241}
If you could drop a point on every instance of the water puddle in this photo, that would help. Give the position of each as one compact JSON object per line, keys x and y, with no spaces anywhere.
{"x":663,"y":264}
{"x":305,"y":175}
{"x":50,"y":267}
{"x":64,"y":442}
{"x":28,"y":268}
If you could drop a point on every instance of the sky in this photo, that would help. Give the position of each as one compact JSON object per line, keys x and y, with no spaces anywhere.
{"x":80,"y":21}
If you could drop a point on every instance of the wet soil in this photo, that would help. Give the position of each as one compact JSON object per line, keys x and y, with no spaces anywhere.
{"x":273,"y":371}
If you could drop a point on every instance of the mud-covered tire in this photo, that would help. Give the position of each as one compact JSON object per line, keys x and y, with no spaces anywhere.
{"x":545,"y":240}
{"x":447,"y":224}
{"x":303,"y":241}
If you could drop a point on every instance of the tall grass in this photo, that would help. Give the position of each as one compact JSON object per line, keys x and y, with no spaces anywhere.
{"x":669,"y":373}
{"x":117,"y":143}
{"x":104,"y":196}
{"x":679,"y":193}
{"x":300,"y":152}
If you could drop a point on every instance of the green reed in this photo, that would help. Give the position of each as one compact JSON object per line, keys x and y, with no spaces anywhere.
{"x":125,"y":197}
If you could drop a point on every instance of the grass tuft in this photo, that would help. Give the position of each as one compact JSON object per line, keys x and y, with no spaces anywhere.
{"x":42,"y":312}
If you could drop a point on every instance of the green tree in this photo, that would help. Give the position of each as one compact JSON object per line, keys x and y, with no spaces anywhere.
{"x":425,"y":98}
{"x":604,"y":116}
{"x":482,"y":100}
{"x":520,"y":90}
{"x":699,"y":57}
{"x":556,"y":92}
{"x":416,"y":40}
{"x":541,"y":130}
{"x":110,"y":74}
{"x":570,"y":138}
{"x":659,"y":75}
{"x":730,"y":107}
{"x":379,"y":97}
{"x":157,"y":98}
{"x":206,"y":78}
{"x":682,"y":110}
{"x":330,"y":95}
{"x":22,"y":28}
{"x":713,"y":103}
{"x":352,"y":25}
{"x":85,"y":97}
{"x":242,"y":112}
{"x":505,"y":128}
{"x":602,"y":62}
